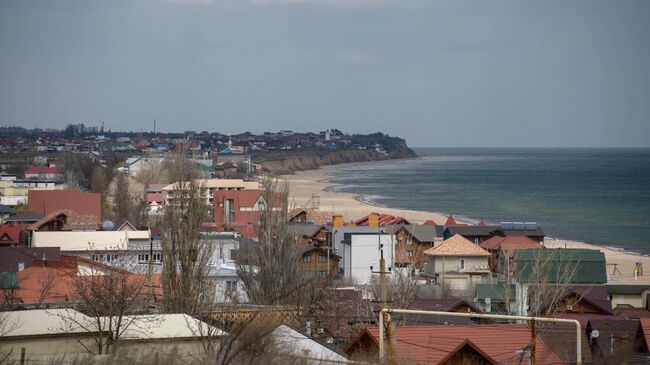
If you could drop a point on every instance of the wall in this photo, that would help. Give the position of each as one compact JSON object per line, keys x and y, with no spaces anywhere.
{"x":364,"y":252}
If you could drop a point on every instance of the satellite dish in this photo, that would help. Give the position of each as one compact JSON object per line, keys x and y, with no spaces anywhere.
{"x":488,"y":300}
{"x":108,"y":226}
{"x":595,"y":334}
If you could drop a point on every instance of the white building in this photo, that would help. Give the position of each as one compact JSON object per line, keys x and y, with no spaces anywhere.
{"x":135,"y":248}
{"x":359,"y":248}
{"x":212,"y":185}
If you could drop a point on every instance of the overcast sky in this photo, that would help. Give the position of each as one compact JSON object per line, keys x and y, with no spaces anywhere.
{"x":438,"y":73}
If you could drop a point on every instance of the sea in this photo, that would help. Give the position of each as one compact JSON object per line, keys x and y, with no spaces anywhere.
{"x":599,"y":196}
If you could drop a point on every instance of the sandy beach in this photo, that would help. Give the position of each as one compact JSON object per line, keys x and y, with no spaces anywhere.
{"x":304,"y":185}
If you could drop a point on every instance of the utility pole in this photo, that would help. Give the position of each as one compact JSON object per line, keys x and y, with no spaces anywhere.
{"x":389,"y":341}
{"x":532,"y":342}
{"x":150,"y":278}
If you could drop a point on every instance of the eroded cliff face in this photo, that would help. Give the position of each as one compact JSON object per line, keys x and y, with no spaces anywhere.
{"x":310,"y":161}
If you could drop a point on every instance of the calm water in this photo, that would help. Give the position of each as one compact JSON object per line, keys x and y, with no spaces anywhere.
{"x":592,"y":195}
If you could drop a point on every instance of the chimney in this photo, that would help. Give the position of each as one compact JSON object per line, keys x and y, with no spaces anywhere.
{"x":337,"y":221}
{"x":373,"y":220}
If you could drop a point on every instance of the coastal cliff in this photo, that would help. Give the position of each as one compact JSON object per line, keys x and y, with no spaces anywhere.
{"x":308,"y":161}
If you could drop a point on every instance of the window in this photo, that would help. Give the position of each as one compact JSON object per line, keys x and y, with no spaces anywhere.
{"x":108,"y":258}
{"x":157,"y":258}
{"x":306,"y":259}
{"x":409,"y":241}
{"x":322,"y":258}
{"x":461,"y":264}
{"x":231,"y":286}
{"x":409,"y":253}
{"x":322,"y":274}
{"x":143,"y":258}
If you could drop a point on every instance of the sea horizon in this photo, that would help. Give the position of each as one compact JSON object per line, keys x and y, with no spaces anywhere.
{"x":585,"y":194}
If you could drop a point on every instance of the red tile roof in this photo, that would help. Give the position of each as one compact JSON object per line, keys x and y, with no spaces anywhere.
{"x":62,"y":275}
{"x":39,"y":170}
{"x":450,"y":221}
{"x":10,"y":234}
{"x":434,"y":344}
{"x":155,"y":197}
{"x":511,"y":243}
{"x":482,"y":223}
{"x":429,"y":222}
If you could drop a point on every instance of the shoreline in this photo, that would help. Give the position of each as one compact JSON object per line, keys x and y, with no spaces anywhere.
{"x":306,"y":184}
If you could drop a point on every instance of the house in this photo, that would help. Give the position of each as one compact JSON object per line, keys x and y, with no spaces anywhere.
{"x":411,"y":242}
{"x":53,"y":281}
{"x":475,"y":234}
{"x":584,"y":299}
{"x":458,"y":263}
{"x":309,"y":215}
{"x":14,"y":259}
{"x":210,"y":186}
{"x":586,"y":266}
{"x":242,"y":207}
{"x":635,"y":296}
{"x":502,"y":249}
{"x":529,"y":229}
{"x":360,"y":249}
{"x":480,"y":233}
{"x":541,"y":268}
{"x":374,"y":220}
{"x":44,"y":173}
{"x":65,"y":220}
{"x":496,"y":298}
{"x":228,"y":286}
{"x":458,"y":344}
{"x":83,"y":204}
{"x":55,"y":335}
{"x":134,"y":247}
{"x":11,"y":235}
{"x":452,"y":305}
{"x":304,"y":348}
{"x":341,"y":313}
{"x":319,"y":261}
{"x":24,"y":218}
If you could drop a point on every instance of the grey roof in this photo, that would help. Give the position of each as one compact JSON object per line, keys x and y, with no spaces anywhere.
{"x":303,"y":229}
{"x":4,"y":209}
{"x":10,"y":257}
{"x":538,"y":231}
{"x":25,"y":216}
{"x":470,"y":230}
{"x":626,"y":289}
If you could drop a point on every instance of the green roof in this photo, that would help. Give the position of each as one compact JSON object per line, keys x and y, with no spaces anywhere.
{"x":550,"y":266}
{"x":495,"y":292}
{"x":9,"y":280}
{"x":626,"y":289}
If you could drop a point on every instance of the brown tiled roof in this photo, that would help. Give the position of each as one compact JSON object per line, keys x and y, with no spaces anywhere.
{"x":48,"y":201}
{"x":73,"y":221}
{"x":313,"y":215}
{"x":434,"y":344}
{"x":457,"y":245}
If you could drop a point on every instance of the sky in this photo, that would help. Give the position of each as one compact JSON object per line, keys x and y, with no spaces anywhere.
{"x":455,"y":73}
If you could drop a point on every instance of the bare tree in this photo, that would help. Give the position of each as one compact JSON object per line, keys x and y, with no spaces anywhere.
{"x":46,"y":281}
{"x":271,"y":273}
{"x":543,"y":282}
{"x":113,"y":298}
{"x":186,"y":256}
{"x":128,"y":205}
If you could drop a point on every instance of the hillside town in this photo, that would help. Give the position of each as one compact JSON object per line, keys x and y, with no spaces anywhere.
{"x":183,"y":258}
